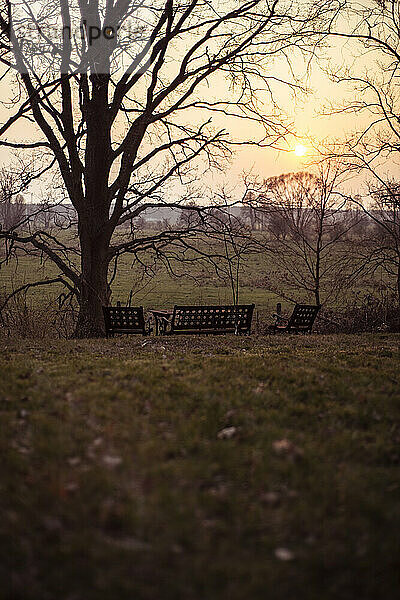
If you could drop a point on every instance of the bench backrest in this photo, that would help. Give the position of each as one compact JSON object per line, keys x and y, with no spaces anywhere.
{"x":220,"y":319}
{"x":303,"y":317}
{"x":124,"y":319}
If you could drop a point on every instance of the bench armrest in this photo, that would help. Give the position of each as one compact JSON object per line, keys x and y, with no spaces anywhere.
{"x":279,"y":319}
{"x":165,"y":324}
{"x":148,"y":326}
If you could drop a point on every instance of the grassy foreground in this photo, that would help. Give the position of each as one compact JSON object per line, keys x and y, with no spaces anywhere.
{"x":187,"y":468}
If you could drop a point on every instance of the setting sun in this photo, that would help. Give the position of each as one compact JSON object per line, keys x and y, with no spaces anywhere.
{"x":300,"y":150}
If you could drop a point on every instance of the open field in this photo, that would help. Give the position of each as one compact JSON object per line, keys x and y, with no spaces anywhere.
{"x":117,"y":482}
{"x":191,"y":283}
{"x":163,"y":290}
{"x":194,"y":282}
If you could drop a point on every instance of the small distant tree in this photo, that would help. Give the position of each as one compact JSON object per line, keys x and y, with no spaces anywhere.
{"x":250,"y":212}
{"x":278,"y":224}
{"x":237,"y":246}
{"x":225,"y":239}
{"x":12,"y":203}
{"x":307,"y":233}
{"x":381,"y":245}
{"x":189,"y":216}
{"x":362,"y":222}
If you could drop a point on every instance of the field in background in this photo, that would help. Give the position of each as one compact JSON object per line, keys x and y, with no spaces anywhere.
{"x":192,"y":468}
{"x":197,"y":284}
{"x":194,"y":284}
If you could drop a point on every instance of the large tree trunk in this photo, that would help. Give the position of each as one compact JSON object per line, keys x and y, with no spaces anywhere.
{"x":94,"y":290}
{"x":95,"y":230}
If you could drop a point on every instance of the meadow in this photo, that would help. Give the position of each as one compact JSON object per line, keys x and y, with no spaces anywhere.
{"x":227,"y":467}
{"x":166,"y":283}
{"x":194,"y":282}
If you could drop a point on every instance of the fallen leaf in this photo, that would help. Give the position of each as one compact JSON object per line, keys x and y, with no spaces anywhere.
{"x":260,"y":388}
{"x":271,"y":498}
{"x":52,"y":524}
{"x":292,"y":494}
{"x":284,"y":554}
{"x":219,"y":491}
{"x":229,"y":414}
{"x":285,"y":447}
{"x":112,"y":461}
{"x":71,"y":487}
{"x":227,"y":433}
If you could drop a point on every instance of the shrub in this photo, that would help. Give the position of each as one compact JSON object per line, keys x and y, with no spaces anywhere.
{"x":26,"y":320}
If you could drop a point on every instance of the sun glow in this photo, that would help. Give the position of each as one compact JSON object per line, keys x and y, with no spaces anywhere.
{"x":300,"y":150}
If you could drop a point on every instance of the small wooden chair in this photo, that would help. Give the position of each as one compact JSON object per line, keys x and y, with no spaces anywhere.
{"x":301,"y":320}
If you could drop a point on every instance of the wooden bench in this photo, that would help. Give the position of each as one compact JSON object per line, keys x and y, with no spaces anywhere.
{"x":210,"y":319}
{"x":301,"y":320}
{"x":123,"y":319}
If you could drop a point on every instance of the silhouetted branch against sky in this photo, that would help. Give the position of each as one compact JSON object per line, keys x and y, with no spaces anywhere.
{"x":175,"y":76}
{"x":370,"y":69}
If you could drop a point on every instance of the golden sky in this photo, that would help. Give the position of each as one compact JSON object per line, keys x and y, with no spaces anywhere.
{"x":304,"y":111}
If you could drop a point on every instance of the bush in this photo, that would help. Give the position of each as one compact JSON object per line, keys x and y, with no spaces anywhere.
{"x":25,"y":320}
{"x":363,"y":313}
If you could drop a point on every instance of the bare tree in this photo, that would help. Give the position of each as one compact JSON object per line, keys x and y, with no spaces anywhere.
{"x":250,"y":212}
{"x":233,"y":235}
{"x":12,"y":202}
{"x":122,"y":94}
{"x":310,"y":255}
{"x":380,"y":248}
{"x":189,"y":216}
{"x":371,"y":71}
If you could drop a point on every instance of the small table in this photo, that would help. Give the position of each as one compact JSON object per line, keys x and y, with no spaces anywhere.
{"x":162,"y":318}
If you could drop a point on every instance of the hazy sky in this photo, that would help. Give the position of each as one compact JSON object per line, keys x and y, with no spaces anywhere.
{"x":304,"y":111}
